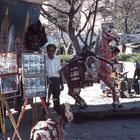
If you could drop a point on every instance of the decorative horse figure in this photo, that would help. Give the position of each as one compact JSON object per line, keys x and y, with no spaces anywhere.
{"x":87,"y":64}
{"x":103,"y":50}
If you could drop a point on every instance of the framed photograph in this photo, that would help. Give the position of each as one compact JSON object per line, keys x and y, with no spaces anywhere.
{"x":9,"y":84}
{"x":33,"y":64}
{"x":8,"y":63}
{"x":34,"y":87}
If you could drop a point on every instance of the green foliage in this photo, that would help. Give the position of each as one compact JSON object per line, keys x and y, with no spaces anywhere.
{"x":135,"y":57}
{"x":65,"y":58}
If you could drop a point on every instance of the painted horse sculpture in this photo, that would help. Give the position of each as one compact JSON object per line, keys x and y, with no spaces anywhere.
{"x":88,"y":66}
{"x":103,"y":49}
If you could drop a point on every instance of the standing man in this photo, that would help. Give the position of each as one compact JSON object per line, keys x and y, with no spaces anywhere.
{"x":55,"y":82}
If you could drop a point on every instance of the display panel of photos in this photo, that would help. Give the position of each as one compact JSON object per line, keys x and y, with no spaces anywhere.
{"x":34,"y":80}
{"x":8,"y":63}
{"x":34,"y":87}
{"x":8,"y":84}
{"x":33,"y":64}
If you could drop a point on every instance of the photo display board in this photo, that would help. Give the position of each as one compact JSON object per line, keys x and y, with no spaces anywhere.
{"x":34,"y":87}
{"x":8,"y":63}
{"x":33,"y":64}
{"x":9,"y":75}
{"x":34,"y":75}
{"x":9,"y":84}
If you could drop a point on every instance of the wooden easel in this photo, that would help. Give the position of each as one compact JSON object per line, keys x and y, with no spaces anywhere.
{"x":2,"y":121}
{"x":23,"y":111}
{"x":26,"y":99}
{"x":4,"y":101}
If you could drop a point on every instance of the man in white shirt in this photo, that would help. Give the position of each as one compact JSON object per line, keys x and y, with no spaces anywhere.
{"x":55,"y":82}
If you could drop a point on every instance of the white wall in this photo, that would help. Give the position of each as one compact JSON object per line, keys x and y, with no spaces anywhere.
{"x":130,"y":67}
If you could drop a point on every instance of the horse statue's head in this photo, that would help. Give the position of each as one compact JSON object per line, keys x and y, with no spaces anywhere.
{"x":110,"y":34}
{"x":105,"y":36}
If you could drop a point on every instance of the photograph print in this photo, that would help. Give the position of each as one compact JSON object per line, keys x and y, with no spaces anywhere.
{"x":8,"y":63}
{"x":9,"y":84}
{"x":34,"y":87}
{"x":33,"y":64}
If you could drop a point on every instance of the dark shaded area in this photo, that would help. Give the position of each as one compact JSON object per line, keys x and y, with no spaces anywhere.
{"x":35,"y":36}
{"x":17,"y":12}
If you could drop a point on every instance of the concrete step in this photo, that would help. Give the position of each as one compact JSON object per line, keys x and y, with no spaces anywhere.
{"x":106,"y":111}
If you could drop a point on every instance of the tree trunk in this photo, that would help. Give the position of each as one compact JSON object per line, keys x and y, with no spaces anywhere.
{"x":75,"y":41}
{"x":126,"y":25}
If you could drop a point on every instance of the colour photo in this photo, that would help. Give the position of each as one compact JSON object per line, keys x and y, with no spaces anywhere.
{"x":34,"y":87}
{"x":9,"y":84}
{"x":33,"y":64}
{"x":8,"y":63}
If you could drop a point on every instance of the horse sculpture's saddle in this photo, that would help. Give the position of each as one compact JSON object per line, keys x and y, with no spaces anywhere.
{"x":89,"y":66}
{"x":91,"y":73}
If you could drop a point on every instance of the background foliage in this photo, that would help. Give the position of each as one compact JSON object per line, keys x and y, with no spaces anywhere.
{"x":65,"y":58}
{"x":135,"y":57}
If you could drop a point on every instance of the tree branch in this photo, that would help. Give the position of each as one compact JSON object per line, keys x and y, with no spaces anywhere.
{"x":51,"y":19}
{"x":87,"y":19}
{"x":87,"y":35}
{"x":79,"y":6}
{"x":96,"y":6}
{"x":68,"y":1}
{"x":82,"y":40}
{"x":49,"y":5}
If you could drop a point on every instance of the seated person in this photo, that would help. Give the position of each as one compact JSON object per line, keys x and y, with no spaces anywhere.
{"x":137,"y":75}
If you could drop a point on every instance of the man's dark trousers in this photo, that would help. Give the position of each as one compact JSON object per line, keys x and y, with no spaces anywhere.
{"x":54,"y":89}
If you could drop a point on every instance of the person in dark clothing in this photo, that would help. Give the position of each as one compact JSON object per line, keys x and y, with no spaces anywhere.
{"x":136,"y":81}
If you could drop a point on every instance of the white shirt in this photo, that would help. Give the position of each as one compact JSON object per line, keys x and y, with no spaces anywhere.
{"x":53,"y":66}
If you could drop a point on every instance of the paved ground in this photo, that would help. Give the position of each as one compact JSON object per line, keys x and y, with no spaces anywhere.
{"x":127,"y":129}
{"x":93,"y":96}
{"x":124,"y":129}
{"x":99,"y":129}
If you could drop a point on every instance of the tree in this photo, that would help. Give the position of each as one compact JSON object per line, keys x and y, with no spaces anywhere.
{"x":73,"y":17}
{"x":124,"y":13}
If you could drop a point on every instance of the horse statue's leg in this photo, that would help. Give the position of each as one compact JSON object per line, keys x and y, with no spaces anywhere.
{"x":108,"y":81}
{"x":75,"y":93}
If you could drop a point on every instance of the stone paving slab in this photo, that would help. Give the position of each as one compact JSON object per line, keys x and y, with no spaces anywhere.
{"x":105,"y":138}
{"x":124,"y":129}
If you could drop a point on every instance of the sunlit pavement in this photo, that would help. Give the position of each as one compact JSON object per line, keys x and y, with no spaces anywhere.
{"x":93,"y":96}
